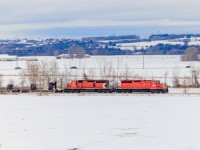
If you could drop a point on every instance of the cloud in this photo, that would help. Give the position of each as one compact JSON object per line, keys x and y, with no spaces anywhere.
{"x":95,"y":23}
{"x":22,"y":11}
{"x":20,"y":15}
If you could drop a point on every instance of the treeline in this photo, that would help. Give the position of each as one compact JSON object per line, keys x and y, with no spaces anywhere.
{"x":120,"y":37}
{"x":155,"y":37}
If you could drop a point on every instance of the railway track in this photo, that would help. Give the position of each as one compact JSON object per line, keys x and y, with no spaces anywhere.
{"x":101,"y":94}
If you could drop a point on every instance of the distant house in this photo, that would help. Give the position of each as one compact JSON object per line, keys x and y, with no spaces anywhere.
{"x":74,"y":56}
{"x":6,"y":57}
{"x":31,"y":59}
{"x":63,"y":56}
{"x":86,"y":56}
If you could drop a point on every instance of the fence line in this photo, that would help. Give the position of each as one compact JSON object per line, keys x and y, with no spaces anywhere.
{"x":99,"y":76}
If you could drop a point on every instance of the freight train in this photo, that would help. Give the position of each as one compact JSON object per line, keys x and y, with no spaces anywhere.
{"x":99,"y":86}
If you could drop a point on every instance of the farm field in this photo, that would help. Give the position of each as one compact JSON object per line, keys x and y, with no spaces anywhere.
{"x":139,"y":122}
{"x":163,"y":67}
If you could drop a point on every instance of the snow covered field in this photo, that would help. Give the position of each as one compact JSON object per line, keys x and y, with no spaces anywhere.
{"x":140,"y":122}
{"x":139,"y":45}
{"x":148,"y":67}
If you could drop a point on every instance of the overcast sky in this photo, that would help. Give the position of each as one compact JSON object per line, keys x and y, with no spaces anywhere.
{"x":79,"y":17}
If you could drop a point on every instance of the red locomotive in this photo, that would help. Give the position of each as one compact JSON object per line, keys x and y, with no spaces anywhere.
{"x":126,"y":86}
{"x":153,"y":86}
{"x":88,"y":86}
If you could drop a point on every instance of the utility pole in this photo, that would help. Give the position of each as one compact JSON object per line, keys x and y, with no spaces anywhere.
{"x":79,"y":59}
{"x":143,"y":61}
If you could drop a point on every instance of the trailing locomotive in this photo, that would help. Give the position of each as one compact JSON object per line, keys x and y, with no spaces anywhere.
{"x":153,"y":86}
{"x":126,"y":86}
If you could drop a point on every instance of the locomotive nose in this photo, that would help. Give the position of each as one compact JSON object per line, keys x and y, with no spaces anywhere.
{"x":106,"y":85}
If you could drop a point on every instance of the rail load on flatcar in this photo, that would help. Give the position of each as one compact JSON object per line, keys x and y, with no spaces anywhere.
{"x":153,"y":86}
{"x":77,"y":86}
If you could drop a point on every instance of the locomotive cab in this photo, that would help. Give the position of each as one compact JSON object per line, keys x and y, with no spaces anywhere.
{"x":72,"y":84}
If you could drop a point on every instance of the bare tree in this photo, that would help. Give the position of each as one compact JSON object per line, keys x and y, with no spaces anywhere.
{"x":176,"y":81}
{"x":11,"y":81}
{"x":61,"y":80}
{"x":67,"y":73}
{"x":85,"y":77}
{"x":102,"y":66}
{"x":75,"y":73}
{"x":191,"y":54}
{"x":22,"y":79}
{"x":127,"y":72}
{"x":53,"y":71}
{"x":91,"y":73}
{"x":195,"y":74}
{"x":165,"y":75}
{"x":44,"y":73}
{"x":119,"y":63}
{"x":1,"y":80}
{"x":32,"y":72}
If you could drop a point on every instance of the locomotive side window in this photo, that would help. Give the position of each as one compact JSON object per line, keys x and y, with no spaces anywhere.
{"x":127,"y":81}
{"x":101,"y":81}
{"x":137,"y":80}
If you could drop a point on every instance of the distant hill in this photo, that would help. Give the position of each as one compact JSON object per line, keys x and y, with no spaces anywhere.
{"x":110,"y":45}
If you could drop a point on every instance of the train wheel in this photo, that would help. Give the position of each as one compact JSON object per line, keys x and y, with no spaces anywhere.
{"x":165,"y":91}
{"x":157,"y":91}
{"x":110,"y":91}
{"x":119,"y":91}
{"x":99,"y":91}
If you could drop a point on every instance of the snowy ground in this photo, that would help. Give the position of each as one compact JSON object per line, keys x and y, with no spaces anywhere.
{"x":140,"y":122}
